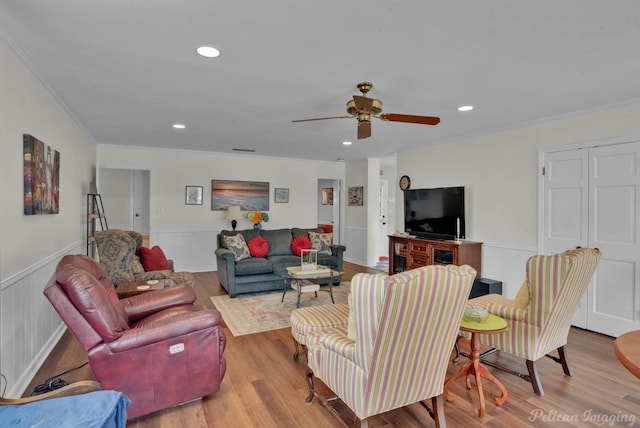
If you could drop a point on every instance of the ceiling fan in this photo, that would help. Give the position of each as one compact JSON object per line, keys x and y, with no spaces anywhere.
{"x":364,"y":108}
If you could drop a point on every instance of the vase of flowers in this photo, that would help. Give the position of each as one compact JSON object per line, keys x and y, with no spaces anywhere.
{"x":257,"y":217}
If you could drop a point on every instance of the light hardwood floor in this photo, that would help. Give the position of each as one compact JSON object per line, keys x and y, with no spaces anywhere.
{"x":265,"y":387}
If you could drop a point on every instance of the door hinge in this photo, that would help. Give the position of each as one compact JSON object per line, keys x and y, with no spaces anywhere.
{"x":544,"y":170}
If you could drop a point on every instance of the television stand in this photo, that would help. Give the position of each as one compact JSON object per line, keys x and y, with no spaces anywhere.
{"x":406,"y":252}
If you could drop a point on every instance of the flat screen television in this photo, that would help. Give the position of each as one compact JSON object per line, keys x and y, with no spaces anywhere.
{"x":435,"y":213}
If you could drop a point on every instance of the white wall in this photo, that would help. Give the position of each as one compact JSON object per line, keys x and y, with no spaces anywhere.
{"x":356,"y":216}
{"x":187,"y":233}
{"x":500,"y":172}
{"x":31,"y":245}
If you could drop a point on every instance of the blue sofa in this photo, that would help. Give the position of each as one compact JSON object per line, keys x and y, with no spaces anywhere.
{"x":262,"y":274}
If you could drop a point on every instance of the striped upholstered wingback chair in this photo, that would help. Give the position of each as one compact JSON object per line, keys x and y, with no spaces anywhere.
{"x":541,"y":313}
{"x":401,"y":333}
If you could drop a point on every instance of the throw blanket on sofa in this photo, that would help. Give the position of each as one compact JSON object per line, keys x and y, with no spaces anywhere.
{"x":98,"y":409}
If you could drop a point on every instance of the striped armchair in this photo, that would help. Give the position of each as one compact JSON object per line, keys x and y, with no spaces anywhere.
{"x":541,"y":313}
{"x":401,"y":332}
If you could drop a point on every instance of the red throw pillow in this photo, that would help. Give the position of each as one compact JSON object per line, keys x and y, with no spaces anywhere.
{"x":153,"y":259}
{"x":258,"y":247}
{"x":300,"y":243}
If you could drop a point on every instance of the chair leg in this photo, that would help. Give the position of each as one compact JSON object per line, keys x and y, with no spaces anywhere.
{"x":363,"y":423}
{"x":296,"y":354}
{"x":438,"y":411}
{"x":562,"y":353}
{"x":534,"y":378}
{"x":312,"y":391}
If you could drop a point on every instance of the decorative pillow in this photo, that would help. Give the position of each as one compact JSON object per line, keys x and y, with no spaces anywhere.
{"x":321,"y":242}
{"x":238,"y":246}
{"x":153,"y":259}
{"x":258,"y":247}
{"x":300,"y":243}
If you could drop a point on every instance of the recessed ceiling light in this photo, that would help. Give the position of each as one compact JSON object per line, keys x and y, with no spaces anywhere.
{"x":465,"y":108}
{"x":178,"y":126}
{"x":208,"y":51}
{"x":346,"y":143}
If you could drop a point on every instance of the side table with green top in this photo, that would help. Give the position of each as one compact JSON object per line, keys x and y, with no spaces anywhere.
{"x":493,"y":324}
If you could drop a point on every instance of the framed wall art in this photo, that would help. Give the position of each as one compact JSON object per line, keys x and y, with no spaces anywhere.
{"x":193,"y":195}
{"x":248,"y":195}
{"x":281,"y":195}
{"x":355,"y":196}
{"x":327,"y":196}
{"x":41,"y":166}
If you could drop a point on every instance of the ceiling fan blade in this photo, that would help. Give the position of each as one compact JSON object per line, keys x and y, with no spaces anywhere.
{"x":363,"y":104}
{"x":408,"y":118}
{"x":323,"y":118}
{"x":364,"y":129}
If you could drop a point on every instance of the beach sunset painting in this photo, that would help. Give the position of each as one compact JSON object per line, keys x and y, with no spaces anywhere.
{"x":248,"y":195}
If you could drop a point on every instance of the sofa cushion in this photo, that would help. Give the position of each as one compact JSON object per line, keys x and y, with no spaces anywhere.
{"x":321,"y":242}
{"x":253,"y":266}
{"x":237,"y":245}
{"x":248,"y":234}
{"x":154,"y":259}
{"x":300,"y":243}
{"x":298,"y":231}
{"x":279,"y":241}
{"x":258,"y":247}
{"x":327,"y":260}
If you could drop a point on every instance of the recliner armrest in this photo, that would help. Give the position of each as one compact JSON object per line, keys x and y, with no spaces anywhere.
{"x":173,"y":327}
{"x":142,"y":305}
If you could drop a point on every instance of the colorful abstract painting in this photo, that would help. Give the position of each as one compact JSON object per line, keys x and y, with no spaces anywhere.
{"x":41,"y":177}
{"x":248,"y":195}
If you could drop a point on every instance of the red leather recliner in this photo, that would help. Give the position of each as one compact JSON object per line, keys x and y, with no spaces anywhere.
{"x":158,"y":348}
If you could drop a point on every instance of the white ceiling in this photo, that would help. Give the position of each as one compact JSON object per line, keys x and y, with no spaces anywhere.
{"x":127,"y":69}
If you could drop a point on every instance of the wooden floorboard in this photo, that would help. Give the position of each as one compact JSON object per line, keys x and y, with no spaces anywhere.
{"x":265,"y":387}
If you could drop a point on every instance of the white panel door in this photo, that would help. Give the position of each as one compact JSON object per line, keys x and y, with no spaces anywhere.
{"x":566,"y":197}
{"x":591,"y":197}
{"x":614,"y":295}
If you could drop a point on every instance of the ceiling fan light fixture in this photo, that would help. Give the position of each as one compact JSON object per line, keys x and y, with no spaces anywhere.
{"x":465,"y":108}
{"x":208,"y":51}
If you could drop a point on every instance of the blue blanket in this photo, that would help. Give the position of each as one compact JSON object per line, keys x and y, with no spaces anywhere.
{"x":103,"y":409}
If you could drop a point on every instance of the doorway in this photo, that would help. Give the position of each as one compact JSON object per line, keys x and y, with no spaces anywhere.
{"x":328,"y":212}
{"x":383,"y":220}
{"x":126,"y":197}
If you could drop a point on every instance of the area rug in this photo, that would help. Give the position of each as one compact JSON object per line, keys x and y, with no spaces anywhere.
{"x":257,"y":312}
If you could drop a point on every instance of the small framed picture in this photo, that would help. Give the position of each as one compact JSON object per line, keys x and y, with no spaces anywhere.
{"x":327,"y":196}
{"x":193,"y":195}
{"x":281,"y":195}
{"x":355,"y":196}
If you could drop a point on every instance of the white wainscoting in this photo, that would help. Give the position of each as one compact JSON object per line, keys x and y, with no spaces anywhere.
{"x":356,"y":243}
{"x":192,"y":251}
{"x":29,"y":326}
{"x":505,"y":263}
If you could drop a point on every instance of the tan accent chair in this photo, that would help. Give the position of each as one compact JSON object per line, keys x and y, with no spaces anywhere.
{"x":119,"y":256}
{"x":400,"y":334}
{"x":541,"y":313}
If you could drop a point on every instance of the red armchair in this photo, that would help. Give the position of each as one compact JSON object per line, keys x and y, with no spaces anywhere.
{"x":158,"y":348}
